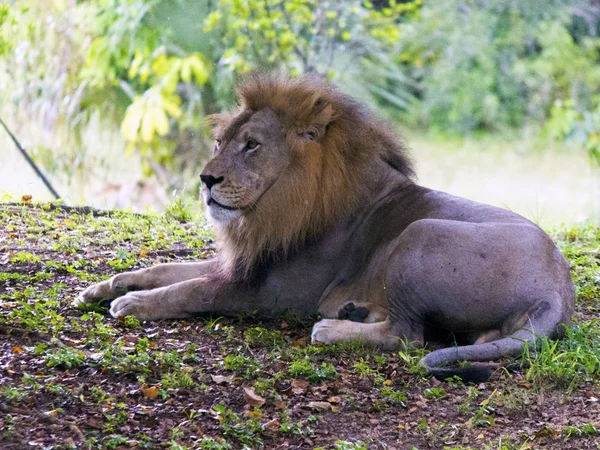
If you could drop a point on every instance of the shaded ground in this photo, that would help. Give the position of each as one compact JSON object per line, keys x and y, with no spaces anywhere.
{"x":80,"y":379}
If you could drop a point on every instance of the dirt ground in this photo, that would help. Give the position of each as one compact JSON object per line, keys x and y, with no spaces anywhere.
{"x":71,"y":378}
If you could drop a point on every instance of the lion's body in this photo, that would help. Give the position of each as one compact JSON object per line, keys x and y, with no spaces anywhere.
{"x":315,"y":211}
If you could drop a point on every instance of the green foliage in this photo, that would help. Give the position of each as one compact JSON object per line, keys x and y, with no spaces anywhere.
{"x":65,"y":357}
{"x":241,"y":364}
{"x":305,"y":369}
{"x":435,"y":393}
{"x":153,"y":68}
{"x":178,"y":379}
{"x":156,"y":68}
{"x":245,"y":432}
{"x":584,"y":430}
{"x":261,"y":337}
{"x":349,"y":445}
{"x":492,"y":65}
{"x":566,"y":363}
{"x":208,"y":443}
{"x":579,"y":127}
{"x":303,"y":35}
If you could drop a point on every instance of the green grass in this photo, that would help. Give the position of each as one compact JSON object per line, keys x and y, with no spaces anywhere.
{"x":83,"y":367}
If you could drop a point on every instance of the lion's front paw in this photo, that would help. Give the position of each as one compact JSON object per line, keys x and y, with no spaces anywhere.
{"x":144,"y":305}
{"x":107,"y":290}
{"x":96,"y":293}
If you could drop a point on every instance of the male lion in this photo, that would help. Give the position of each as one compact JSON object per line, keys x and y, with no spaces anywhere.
{"x":315,"y":211}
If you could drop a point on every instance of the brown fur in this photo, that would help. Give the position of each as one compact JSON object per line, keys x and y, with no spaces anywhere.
{"x":325,"y":184}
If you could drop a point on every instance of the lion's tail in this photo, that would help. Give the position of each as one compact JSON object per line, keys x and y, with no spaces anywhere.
{"x":544,"y":321}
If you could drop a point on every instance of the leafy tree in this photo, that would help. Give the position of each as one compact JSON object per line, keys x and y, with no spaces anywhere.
{"x":492,"y":64}
{"x":157,"y":67}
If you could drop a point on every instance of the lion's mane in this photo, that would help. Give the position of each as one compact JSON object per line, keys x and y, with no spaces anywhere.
{"x":329,"y":180}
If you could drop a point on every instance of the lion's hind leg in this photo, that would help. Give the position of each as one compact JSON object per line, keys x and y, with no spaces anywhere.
{"x":362,"y":312}
{"x":334,"y":331}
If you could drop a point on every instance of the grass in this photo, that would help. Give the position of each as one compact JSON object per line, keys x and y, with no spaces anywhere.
{"x":545,"y":181}
{"x":79,"y":377}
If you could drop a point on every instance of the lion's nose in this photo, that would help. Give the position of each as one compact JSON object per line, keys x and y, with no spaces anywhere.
{"x":210,"y":181}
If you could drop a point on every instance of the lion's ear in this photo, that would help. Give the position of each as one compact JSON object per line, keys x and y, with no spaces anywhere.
{"x":217,"y":122}
{"x":322,"y":116}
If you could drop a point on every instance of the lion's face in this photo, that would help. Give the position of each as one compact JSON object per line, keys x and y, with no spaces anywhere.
{"x":249,"y":156}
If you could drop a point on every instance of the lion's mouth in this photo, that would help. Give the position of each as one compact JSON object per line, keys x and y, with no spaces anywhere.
{"x":212,"y":202}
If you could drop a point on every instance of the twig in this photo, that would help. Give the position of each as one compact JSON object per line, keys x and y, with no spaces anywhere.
{"x":74,"y":209}
{"x":30,"y":161}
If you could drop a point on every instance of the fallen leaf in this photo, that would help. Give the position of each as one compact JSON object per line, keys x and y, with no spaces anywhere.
{"x":219,"y":379}
{"x":149,"y":391}
{"x":299,"y":386}
{"x":272,"y":425}
{"x":335,"y":399}
{"x":319,"y":406}
{"x":300,"y":343}
{"x":252,"y":399}
{"x":26,"y":198}
{"x":145,"y":410}
{"x":254,"y":414}
{"x":16,"y":349}
{"x":95,"y":356}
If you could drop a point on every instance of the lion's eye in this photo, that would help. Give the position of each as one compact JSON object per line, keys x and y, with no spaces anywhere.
{"x":251,"y":144}
{"x":218,"y":142}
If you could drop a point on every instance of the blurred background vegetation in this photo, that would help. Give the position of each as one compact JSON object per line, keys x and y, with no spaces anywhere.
{"x":109,"y":96}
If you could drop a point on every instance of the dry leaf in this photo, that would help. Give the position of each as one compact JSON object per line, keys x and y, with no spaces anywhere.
{"x":335,"y":399}
{"x":254,"y":414}
{"x":219,"y":379}
{"x":17,"y":349}
{"x":300,"y":343}
{"x":280,"y":405}
{"x":252,"y":399}
{"x":26,"y":198}
{"x":96,"y":356}
{"x":149,"y":391}
{"x":319,"y":406}
{"x":145,"y":410}
{"x":272,"y":425}
{"x":299,"y":386}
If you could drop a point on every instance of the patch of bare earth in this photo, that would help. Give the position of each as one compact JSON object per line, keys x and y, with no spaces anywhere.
{"x":80,"y":379}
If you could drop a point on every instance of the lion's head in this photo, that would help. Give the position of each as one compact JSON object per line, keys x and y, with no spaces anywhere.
{"x":297,"y":158}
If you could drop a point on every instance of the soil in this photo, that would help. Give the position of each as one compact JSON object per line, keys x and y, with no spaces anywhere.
{"x":81,"y":379}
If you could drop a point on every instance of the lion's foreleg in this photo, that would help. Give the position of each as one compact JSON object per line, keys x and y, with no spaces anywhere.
{"x":184,"y":299}
{"x":176,"y":301}
{"x":145,"y":279}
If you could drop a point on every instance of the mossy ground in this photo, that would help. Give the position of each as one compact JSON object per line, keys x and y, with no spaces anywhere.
{"x":80,"y":379}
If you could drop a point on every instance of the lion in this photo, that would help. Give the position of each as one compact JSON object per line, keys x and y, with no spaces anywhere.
{"x":316,"y":211}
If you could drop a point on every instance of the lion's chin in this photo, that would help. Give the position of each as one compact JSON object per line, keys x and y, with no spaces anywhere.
{"x":221,"y":216}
